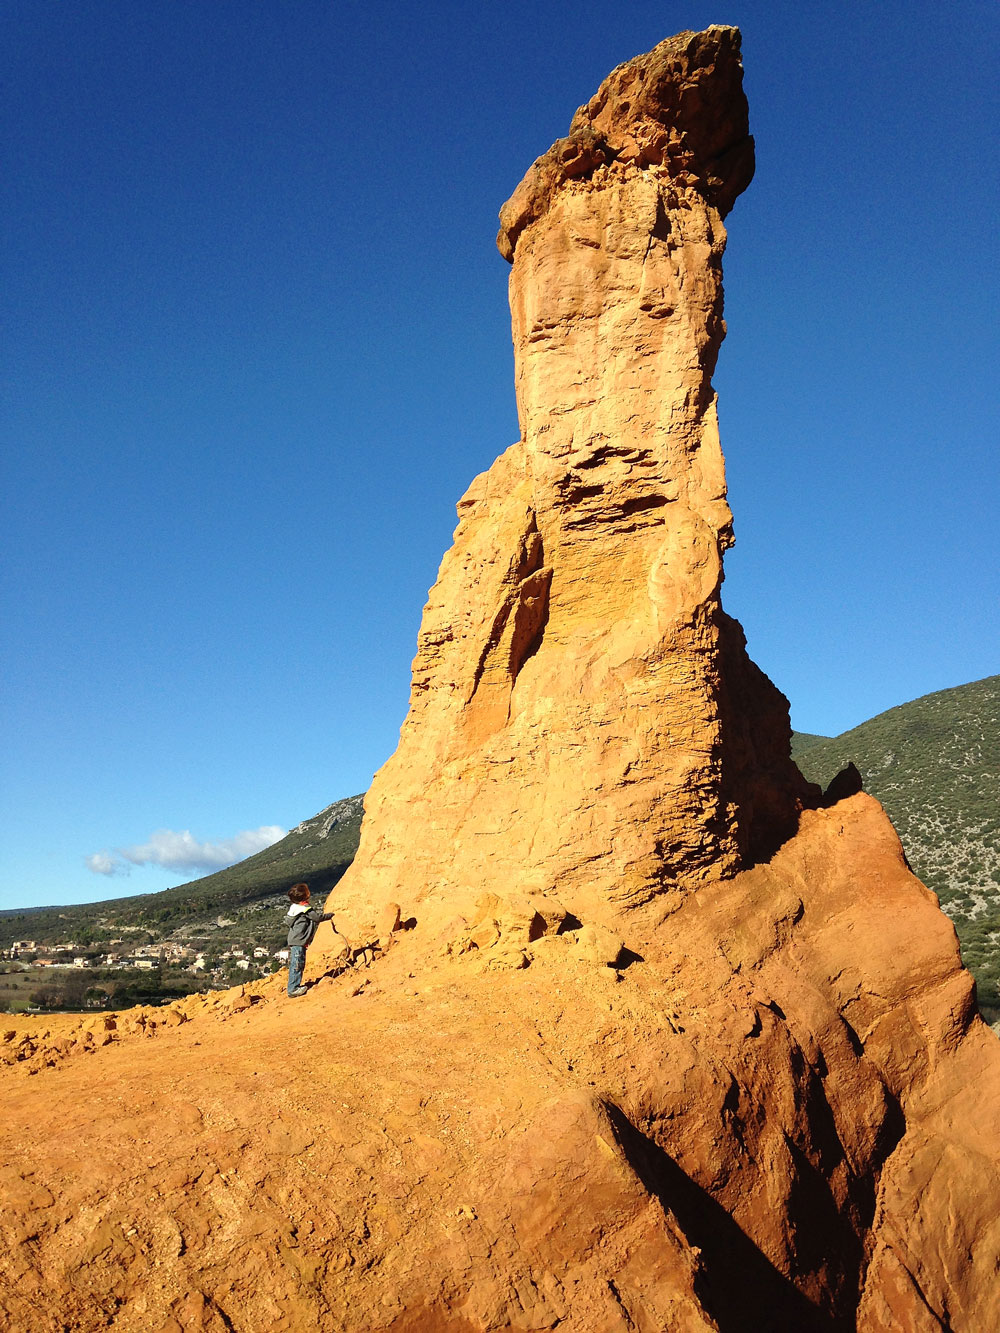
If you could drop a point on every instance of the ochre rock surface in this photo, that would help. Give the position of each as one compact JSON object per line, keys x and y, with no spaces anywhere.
{"x":780,"y":1116}
{"x":634,"y":1031}
{"x":584,"y":721}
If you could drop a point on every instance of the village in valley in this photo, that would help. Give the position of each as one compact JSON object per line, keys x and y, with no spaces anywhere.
{"x":222,"y":930}
{"x":39,"y":975}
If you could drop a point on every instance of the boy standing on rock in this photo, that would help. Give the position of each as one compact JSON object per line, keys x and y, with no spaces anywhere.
{"x":302,"y":922}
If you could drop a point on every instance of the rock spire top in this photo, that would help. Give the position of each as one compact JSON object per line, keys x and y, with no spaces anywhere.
{"x":678,"y":110}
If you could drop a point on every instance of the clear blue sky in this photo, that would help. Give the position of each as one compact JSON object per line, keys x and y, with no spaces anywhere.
{"x":256,"y":344}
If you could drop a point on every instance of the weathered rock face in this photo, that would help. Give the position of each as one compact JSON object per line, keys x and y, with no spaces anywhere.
{"x":674,"y":1094}
{"x":583,"y":719}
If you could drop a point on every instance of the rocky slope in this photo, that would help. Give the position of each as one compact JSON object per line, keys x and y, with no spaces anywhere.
{"x":728,"y":1130}
{"x":663,"y":1040}
{"x":933,"y":763}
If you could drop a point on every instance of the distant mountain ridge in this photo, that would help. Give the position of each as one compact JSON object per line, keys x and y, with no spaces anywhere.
{"x":318,"y":851}
{"x":934,"y":763}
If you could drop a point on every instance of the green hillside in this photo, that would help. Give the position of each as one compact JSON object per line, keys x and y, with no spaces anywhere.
{"x":801,"y":742}
{"x":935,"y":766}
{"x":318,"y":851}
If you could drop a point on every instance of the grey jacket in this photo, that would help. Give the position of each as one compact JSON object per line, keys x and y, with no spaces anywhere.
{"x":302,"y":926}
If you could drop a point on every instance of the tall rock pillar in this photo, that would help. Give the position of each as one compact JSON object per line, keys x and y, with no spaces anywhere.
{"x":583,"y":717}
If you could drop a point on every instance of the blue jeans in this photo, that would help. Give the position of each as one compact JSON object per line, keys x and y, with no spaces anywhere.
{"x":296,"y":966}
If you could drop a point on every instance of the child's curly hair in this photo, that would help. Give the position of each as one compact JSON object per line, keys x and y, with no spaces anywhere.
{"x":298,"y":893}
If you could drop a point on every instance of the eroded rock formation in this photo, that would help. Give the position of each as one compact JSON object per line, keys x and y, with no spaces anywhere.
{"x":659,"y":1039}
{"x":584,"y":720}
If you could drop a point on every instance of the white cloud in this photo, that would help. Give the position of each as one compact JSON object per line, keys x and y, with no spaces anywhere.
{"x":103,"y":863}
{"x":183,"y":852}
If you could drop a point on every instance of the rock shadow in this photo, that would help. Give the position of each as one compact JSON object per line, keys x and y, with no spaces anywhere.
{"x":848,"y":782}
{"x":759,"y":778}
{"x":739,"y":1286}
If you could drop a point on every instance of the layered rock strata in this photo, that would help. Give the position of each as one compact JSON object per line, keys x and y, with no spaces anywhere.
{"x":583,"y":719}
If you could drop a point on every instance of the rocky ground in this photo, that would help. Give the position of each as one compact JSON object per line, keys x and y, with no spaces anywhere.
{"x":724,"y":1130}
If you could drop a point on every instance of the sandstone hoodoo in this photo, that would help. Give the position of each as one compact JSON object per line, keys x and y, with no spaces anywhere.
{"x":639,"y":1031}
{"x":584,"y":720}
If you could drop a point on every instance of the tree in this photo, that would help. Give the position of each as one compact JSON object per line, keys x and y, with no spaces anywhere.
{"x":73,"y":990}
